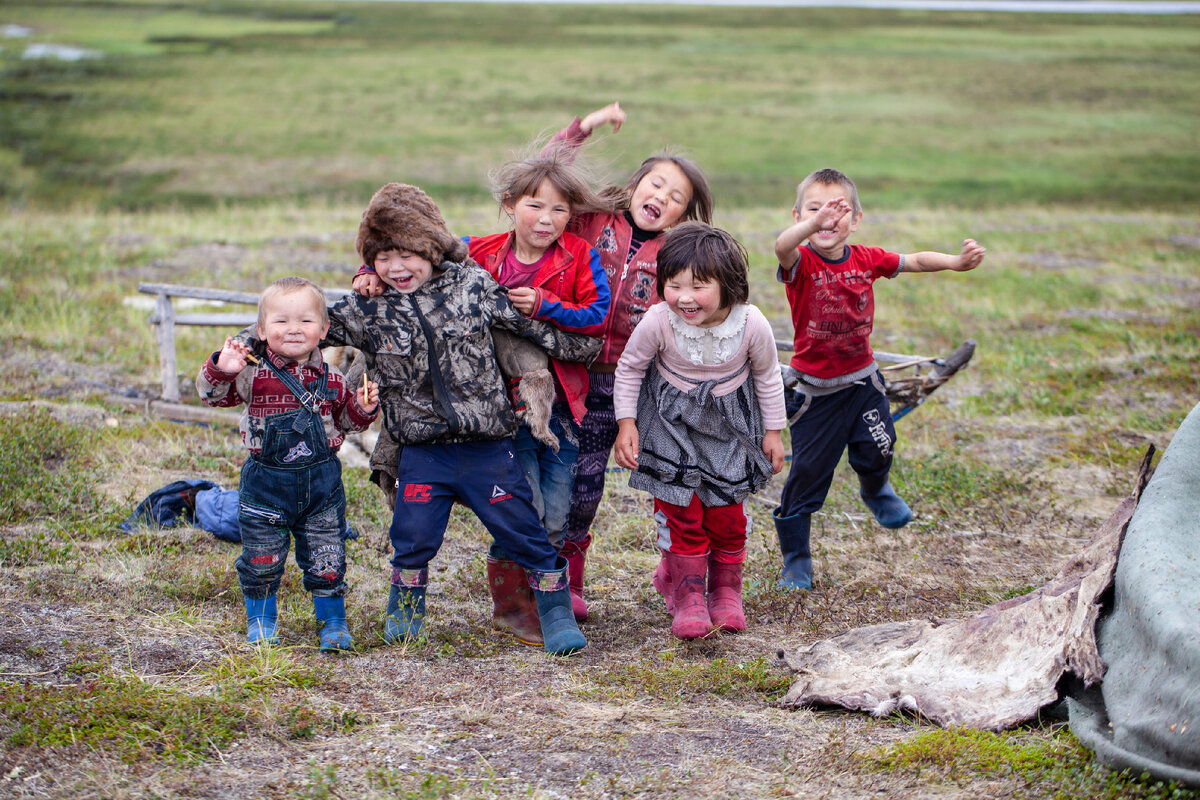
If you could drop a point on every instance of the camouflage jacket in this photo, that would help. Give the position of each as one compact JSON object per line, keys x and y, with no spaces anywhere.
{"x":431,"y":353}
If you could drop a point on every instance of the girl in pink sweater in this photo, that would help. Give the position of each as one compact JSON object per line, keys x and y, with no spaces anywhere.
{"x":699,"y":405}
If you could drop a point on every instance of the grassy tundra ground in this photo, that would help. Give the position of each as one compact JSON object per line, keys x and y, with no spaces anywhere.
{"x":229,"y":144}
{"x":124,"y":672}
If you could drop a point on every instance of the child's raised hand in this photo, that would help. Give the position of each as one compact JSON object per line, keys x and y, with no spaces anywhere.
{"x":830,"y":214}
{"x":524,"y":299}
{"x":367,"y":285}
{"x":626,"y":447}
{"x":611,"y":114}
{"x":368,"y":395}
{"x":773,"y":449}
{"x":233,"y":357}
{"x":971,"y":256}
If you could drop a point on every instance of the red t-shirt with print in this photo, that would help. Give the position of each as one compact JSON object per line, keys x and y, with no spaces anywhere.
{"x":833,"y":308}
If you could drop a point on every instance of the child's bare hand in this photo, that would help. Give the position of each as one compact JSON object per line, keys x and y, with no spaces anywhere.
{"x":368,"y":395}
{"x":971,"y":256}
{"x":524,"y":299}
{"x":611,"y":114}
{"x":626,"y":447}
{"x":233,"y":357}
{"x":367,"y":285}
{"x":831,"y":213}
{"x":773,"y":449}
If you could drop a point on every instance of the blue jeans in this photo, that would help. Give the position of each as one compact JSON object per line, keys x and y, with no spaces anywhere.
{"x":551,"y":475}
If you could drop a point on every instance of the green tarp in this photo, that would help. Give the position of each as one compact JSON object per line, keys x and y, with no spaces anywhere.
{"x":1145,"y":715}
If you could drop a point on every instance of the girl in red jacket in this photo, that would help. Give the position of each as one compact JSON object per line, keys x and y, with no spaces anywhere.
{"x":557,"y":277}
{"x":665,"y":190}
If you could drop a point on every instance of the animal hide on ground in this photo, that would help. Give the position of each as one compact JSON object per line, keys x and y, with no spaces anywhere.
{"x":523,"y":361}
{"x":991,"y":671}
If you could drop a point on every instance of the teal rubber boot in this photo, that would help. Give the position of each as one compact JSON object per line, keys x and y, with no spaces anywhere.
{"x":262,"y":617}
{"x":334,"y":634}
{"x":560,"y":631}
{"x":405,"y":613}
{"x":889,"y":510}
{"x":793,"y":534}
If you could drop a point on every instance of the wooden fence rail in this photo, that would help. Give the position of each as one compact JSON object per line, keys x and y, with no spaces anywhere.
{"x":164,"y":318}
{"x":907,"y":393}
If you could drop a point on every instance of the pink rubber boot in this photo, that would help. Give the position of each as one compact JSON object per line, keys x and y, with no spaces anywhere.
{"x":725,"y":592}
{"x":576,"y":555}
{"x":688,"y":573}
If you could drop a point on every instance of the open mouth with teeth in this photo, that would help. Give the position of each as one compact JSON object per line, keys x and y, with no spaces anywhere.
{"x":651,"y":212}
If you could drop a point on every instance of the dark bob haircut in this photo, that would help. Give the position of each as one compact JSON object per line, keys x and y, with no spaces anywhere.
{"x":711,"y":254}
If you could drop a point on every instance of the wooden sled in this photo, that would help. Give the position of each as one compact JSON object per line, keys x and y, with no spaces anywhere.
{"x":904,"y":392}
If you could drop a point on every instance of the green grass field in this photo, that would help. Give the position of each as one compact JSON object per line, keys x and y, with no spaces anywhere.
{"x":199,"y":103}
{"x":225,"y":144}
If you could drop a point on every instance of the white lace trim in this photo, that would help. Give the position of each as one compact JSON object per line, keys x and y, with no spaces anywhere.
{"x":714,"y":345}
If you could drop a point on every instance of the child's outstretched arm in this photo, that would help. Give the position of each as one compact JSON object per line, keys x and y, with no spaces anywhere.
{"x":928,"y":261}
{"x":611,"y":114}
{"x":787,"y":243}
{"x":563,"y":345}
{"x":573,"y":136}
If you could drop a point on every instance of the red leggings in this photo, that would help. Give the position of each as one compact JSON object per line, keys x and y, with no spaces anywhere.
{"x":697,"y":529}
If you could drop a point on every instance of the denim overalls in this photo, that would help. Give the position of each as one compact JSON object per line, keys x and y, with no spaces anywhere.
{"x":293,"y":487}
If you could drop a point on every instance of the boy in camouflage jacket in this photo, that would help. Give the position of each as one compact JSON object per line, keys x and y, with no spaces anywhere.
{"x":448,"y":421}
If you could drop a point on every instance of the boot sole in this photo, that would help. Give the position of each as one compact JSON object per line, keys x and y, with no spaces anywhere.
{"x":529,"y":640}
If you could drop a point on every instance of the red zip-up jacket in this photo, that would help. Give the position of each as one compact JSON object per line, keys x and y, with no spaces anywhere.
{"x":572,"y":293}
{"x":632,"y":285}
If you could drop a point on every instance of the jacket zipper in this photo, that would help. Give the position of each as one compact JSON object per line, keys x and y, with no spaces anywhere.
{"x":440,"y":393}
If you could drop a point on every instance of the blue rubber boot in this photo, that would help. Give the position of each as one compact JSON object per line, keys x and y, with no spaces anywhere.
{"x":405,"y":613}
{"x":793,"y":546}
{"x":331,"y":613}
{"x":262,"y":617}
{"x":560,"y":631}
{"x":889,"y":510}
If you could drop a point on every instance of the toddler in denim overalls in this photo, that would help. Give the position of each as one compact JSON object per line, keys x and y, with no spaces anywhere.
{"x":297,"y":410}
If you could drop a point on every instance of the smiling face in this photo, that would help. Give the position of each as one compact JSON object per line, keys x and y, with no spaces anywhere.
{"x":661,"y":197}
{"x":829,"y":242}
{"x":293,"y":324}
{"x":696,"y":302}
{"x":403,"y":271}
{"x":538,"y":220}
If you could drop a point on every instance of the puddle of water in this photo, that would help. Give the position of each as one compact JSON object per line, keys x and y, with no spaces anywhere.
{"x":60,"y":52}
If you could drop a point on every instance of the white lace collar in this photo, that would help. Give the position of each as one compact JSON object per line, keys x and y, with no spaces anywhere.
{"x":710,"y":345}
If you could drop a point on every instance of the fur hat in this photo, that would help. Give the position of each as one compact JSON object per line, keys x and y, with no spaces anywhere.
{"x":402,"y":217}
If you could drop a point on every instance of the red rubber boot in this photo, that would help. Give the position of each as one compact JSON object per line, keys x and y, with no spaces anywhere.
{"x":514,"y":608}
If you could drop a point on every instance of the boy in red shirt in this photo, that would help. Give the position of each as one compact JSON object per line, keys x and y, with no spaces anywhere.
{"x":839,"y":401}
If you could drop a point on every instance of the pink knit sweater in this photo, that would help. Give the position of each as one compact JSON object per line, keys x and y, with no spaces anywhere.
{"x":654,"y":336}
